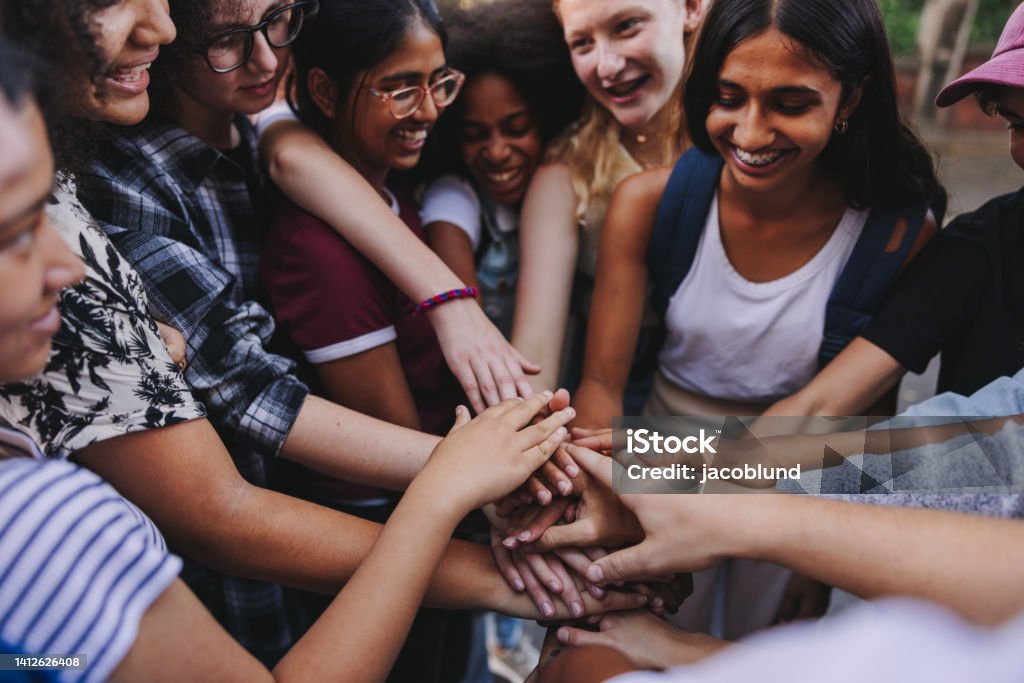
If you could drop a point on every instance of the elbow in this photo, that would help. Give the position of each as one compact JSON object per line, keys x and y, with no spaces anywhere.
{"x":210,"y":532}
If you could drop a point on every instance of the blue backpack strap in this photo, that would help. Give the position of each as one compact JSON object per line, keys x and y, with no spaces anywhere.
{"x":682,"y":213}
{"x":870,"y":271}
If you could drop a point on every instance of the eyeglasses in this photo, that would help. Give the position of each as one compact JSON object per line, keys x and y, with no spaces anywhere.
{"x":405,"y":102}
{"x":231,"y":50}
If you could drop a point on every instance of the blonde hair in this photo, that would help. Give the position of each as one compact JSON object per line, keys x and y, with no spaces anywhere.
{"x":591,"y":147}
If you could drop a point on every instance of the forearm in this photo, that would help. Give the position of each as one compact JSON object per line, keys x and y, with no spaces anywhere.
{"x":967,"y":562}
{"x":369,"y":620}
{"x":321,"y":182}
{"x":590,"y":664}
{"x":348,"y":445}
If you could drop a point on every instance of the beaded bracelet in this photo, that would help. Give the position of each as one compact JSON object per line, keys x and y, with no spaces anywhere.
{"x":438,"y":299}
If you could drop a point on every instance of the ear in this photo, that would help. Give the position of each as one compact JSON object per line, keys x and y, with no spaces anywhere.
{"x":323,"y":90}
{"x":694,"y":10}
{"x":853,"y":101}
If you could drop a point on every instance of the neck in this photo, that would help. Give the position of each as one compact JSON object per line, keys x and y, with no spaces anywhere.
{"x":649,"y":143}
{"x":213,"y":126}
{"x":782,"y":203}
{"x":376,"y":177}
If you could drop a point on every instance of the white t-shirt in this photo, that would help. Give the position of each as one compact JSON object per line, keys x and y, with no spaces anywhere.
{"x":895,"y":641}
{"x":451,"y":199}
{"x":734,"y":339}
{"x":79,"y":564}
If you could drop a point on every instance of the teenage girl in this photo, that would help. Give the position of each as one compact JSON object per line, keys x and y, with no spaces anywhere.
{"x":630,"y":57}
{"x":797,"y":104}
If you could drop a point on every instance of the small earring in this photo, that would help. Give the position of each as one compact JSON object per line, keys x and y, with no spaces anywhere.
{"x":841,"y":127}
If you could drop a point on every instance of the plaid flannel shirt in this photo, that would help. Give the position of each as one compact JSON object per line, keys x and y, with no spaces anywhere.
{"x":185,"y":216}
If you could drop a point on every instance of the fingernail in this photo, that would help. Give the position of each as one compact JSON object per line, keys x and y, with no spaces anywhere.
{"x":509,"y":543}
{"x":544,"y":497}
{"x":565,"y":488}
{"x":525,"y":536}
{"x":572,"y":471}
{"x":577,"y":609}
{"x":547,"y":609}
{"x":548,"y":394}
{"x":658,"y":602}
{"x":597,"y":592}
{"x":641,"y":599}
{"x":555,"y":586}
{"x":518,"y":586}
{"x":563,"y":635}
{"x":595,"y":573}
{"x":560,"y":432}
{"x":570,"y":411}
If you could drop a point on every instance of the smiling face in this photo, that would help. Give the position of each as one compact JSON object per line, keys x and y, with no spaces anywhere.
{"x":774,"y":113}
{"x":500,"y":140}
{"x":378,"y":142}
{"x":629,"y":54}
{"x":129,"y":34}
{"x":250,"y":88}
{"x":34,"y":262}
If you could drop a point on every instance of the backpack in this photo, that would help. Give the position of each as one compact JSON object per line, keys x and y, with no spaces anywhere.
{"x":858,"y":291}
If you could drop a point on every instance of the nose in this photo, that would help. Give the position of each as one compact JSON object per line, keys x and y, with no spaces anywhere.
{"x":753,"y":130}
{"x":63,"y":267}
{"x":428,"y":111}
{"x":153,"y":26}
{"x":609,"y":62}
{"x":497,"y":150}
{"x":263,"y":59}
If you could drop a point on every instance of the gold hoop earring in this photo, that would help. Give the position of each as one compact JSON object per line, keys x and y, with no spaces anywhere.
{"x":841,"y":127}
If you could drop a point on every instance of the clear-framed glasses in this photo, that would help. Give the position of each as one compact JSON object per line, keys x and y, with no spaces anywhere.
{"x":405,"y":102}
{"x":231,"y":50}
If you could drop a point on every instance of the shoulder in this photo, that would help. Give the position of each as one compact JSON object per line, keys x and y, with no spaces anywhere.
{"x":555,"y":173}
{"x":645,"y":187}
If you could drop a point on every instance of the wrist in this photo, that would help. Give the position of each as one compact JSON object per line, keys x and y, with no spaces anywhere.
{"x":758,"y":527}
{"x":435,"y":501}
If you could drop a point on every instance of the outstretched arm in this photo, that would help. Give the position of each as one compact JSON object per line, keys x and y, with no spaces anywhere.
{"x":967,"y":562}
{"x":321,"y":182}
{"x":618,"y":305}
{"x":549,"y":239}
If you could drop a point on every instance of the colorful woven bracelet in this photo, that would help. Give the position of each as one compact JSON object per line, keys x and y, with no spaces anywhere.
{"x":451,"y":294}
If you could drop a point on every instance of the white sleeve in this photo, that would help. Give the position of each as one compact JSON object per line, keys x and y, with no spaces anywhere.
{"x":451,"y":199}
{"x":279,"y":111}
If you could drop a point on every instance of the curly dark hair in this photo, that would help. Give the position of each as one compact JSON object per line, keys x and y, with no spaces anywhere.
{"x":60,"y":34}
{"x":522,"y":41}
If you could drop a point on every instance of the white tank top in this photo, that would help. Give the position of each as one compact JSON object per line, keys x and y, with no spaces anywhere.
{"x":734,"y":339}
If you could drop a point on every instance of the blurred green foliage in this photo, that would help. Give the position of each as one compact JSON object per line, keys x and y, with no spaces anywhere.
{"x":901,"y":18}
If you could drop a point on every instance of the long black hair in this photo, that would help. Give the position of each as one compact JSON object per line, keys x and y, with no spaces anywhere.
{"x":60,"y":36}
{"x":879,"y":161}
{"x":347,"y":37}
{"x":520,"y":40}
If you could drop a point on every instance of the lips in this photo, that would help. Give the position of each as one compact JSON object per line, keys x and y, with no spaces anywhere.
{"x":131,"y":79}
{"x":758,"y":163}
{"x":48,"y":323}
{"x":261,"y":89}
{"x":504,"y":176}
{"x":411,"y":139}
{"x":628,"y":91}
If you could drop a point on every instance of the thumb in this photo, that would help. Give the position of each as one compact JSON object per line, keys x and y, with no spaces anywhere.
{"x":461,"y":419}
{"x":627,"y":564}
{"x":577,"y":534}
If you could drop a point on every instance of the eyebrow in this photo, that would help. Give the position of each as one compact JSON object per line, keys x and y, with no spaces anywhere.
{"x":223,"y":27}
{"x":504,"y":119}
{"x":30,"y":211}
{"x":781,"y":90}
{"x":410,"y":75}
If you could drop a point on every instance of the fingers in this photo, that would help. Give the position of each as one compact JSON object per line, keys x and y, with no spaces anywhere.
{"x":515,"y":371}
{"x":503,"y":560}
{"x":534,"y":589}
{"x":654,"y":599}
{"x":538,"y":491}
{"x":613,"y":601}
{"x":545,"y":518}
{"x":464,"y":373}
{"x":578,"y":637}
{"x":558,"y":479}
{"x":594,"y":439}
{"x":564,"y":462}
{"x":575,"y":560}
{"x":546,"y":426}
{"x":543,"y":572}
{"x":559,"y":400}
{"x":577,"y":534}
{"x":628,"y":564}
{"x":570,"y":594}
{"x":594,"y":463}
{"x":485,"y":382}
{"x":529,"y":367}
{"x":504,"y":379}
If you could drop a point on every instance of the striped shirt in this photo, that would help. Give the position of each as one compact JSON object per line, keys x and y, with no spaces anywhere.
{"x":79,"y":565}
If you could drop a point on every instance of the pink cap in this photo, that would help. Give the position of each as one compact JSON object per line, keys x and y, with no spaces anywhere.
{"x":1005,"y":68}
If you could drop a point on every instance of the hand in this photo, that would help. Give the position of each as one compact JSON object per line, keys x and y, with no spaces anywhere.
{"x":483,"y":459}
{"x":175,"y":343}
{"x":645,"y":639}
{"x":537,"y":574}
{"x":488,"y":367}
{"x":601,"y":519}
{"x":804,"y":598}
{"x":681,"y":532}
